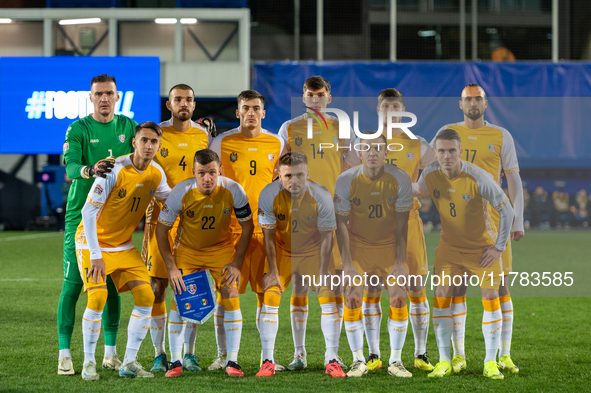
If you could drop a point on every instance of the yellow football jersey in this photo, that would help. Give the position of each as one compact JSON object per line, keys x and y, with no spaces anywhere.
{"x":115,"y":206}
{"x":324,"y":165}
{"x":415,"y":155}
{"x":178,"y":150}
{"x":250,"y":162}
{"x":298,"y":222}
{"x":371,"y":204}
{"x":462,"y":205}
{"x":490,"y":147}
{"x":205,"y":219}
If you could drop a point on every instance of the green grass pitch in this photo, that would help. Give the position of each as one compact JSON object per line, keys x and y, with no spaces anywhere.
{"x":551,"y":339}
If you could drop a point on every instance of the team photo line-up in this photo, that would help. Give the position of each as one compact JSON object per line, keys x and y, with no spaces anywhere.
{"x":268,"y":209}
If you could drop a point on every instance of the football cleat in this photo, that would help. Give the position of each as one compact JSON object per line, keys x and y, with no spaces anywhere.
{"x":358,"y":368}
{"x":422,"y":363}
{"x":506,"y":364}
{"x":344,"y":367}
{"x":175,"y":369}
{"x":233,"y":369}
{"x":160,"y":364}
{"x":334,"y":369}
{"x":442,"y":369}
{"x":299,"y":363}
{"x":458,"y":363}
{"x":373,"y":362}
{"x":190,"y":363}
{"x":65,"y":366}
{"x":491,"y":370}
{"x":278,"y":368}
{"x":397,"y":369}
{"x":219,"y":363}
{"x":134,"y":370}
{"x":267,"y":369}
{"x":89,"y":372}
{"x":112,"y":362}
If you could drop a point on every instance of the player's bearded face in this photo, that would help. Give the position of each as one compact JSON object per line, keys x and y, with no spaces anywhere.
{"x":374,"y":157}
{"x":182,"y":104}
{"x":206,"y":176}
{"x":293,"y":178}
{"x":390,"y":105}
{"x":473,"y":102}
{"x":104,"y":96}
{"x":146,"y":143}
{"x":317,"y":99}
{"x":448,"y":153}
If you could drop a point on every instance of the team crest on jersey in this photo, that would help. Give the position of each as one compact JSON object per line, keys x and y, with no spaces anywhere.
{"x":190,"y":213}
{"x":310,"y":218}
{"x":233,"y":156}
{"x":192,"y":289}
{"x":281,"y":216}
{"x":226,"y":211}
{"x":436,"y":193}
{"x":298,"y":141}
{"x":271,"y":157}
{"x":261,"y":212}
{"x":165,"y":208}
{"x":356,"y":201}
{"x":492,"y":148}
{"x":122,"y":192}
{"x":187,"y":306}
{"x":152,"y":191}
{"x":391,"y":199}
{"x":204,"y":302}
{"x":122,"y":138}
{"x":410,"y":156}
{"x":98,"y":190}
{"x":466,"y":197}
{"x":336,"y":199}
{"x":164,"y":152}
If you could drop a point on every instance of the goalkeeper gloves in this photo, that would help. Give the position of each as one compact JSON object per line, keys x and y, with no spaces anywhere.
{"x":209,"y":125}
{"x":100,"y":169}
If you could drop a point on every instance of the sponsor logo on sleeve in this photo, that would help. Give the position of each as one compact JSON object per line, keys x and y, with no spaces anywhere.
{"x":260,"y":212}
{"x":336,"y":199}
{"x":98,"y":190}
{"x":165,"y":208}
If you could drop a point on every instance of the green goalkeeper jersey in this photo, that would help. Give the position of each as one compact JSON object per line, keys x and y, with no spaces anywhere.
{"x":88,"y":141}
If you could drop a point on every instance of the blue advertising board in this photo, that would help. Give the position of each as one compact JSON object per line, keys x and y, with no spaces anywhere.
{"x":41,"y":96}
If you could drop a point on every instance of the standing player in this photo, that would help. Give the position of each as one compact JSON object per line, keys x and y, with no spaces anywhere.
{"x":104,"y":246}
{"x":204,"y":205}
{"x":414,"y":155}
{"x":324,"y":165}
{"x":181,"y":138}
{"x":297,"y":217}
{"x":89,"y":150}
{"x":469,"y":243}
{"x":491,"y":148}
{"x":372,"y":203}
{"x":249,"y":156}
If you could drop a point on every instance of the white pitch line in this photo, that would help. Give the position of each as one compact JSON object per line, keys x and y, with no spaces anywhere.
{"x":11,"y":238}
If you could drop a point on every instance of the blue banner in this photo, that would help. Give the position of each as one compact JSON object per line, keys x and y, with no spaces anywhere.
{"x":197,"y":303}
{"x":41,"y":96}
{"x":543,"y":105}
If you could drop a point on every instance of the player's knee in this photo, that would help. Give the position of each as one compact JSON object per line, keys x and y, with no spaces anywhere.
{"x":97,"y":298}
{"x":272,"y":297}
{"x":143,"y":295}
{"x":159,"y":288}
{"x":398,"y":302}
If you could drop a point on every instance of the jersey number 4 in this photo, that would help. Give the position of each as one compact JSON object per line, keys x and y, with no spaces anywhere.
{"x":183,"y":163}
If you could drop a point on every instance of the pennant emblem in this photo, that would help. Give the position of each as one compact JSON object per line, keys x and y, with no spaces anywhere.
{"x":204,"y":302}
{"x":187,"y":306}
{"x":192,"y":289}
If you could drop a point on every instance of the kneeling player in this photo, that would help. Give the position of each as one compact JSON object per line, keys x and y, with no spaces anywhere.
{"x":375,"y":199}
{"x":301,"y":213}
{"x":113,"y":210}
{"x":469,"y":242}
{"x":205,"y":205}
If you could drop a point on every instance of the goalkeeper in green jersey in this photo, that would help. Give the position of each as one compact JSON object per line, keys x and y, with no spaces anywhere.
{"x":90,"y":148}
